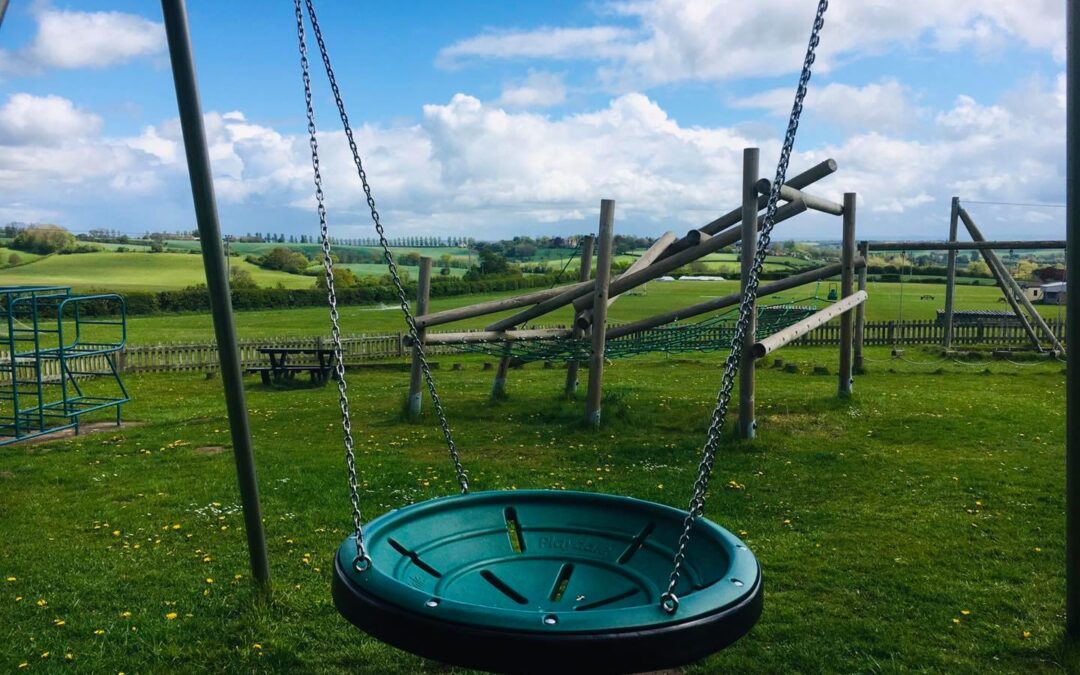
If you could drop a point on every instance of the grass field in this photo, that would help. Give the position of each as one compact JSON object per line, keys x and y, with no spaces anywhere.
{"x":885,"y":303}
{"x":916,"y":527}
{"x":133,"y":271}
{"x":374,"y":270}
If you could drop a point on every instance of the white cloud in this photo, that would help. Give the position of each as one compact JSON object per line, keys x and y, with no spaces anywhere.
{"x":713,"y":40}
{"x":70,"y":39}
{"x":469,"y":167}
{"x":883,"y":106}
{"x":43,"y":120}
{"x":538,"y":90}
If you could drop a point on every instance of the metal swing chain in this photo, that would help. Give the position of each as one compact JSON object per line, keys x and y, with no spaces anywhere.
{"x":362,"y":560}
{"x":669,"y":602}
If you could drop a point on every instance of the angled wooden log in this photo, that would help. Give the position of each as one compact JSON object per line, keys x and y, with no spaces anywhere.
{"x":795,"y":331}
{"x":813,"y":202}
{"x":794,"y":281}
{"x":481,"y":336}
{"x":493,"y":306}
{"x":665,"y":265}
{"x":584,"y":318}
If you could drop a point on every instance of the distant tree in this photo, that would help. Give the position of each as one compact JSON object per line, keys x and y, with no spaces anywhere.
{"x":14,"y":259}
{"x":977,"y":268}
{"x":343,"y":278}
{"x":240,"y":278}
{"x":491,"y":263}
{"x":284,"y":259}
{"x":43,"y":239}
{"x":156,"y":246}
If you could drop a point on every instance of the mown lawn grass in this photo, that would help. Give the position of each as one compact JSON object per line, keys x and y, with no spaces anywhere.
{"x":134,"y":271}
{"x":888,"y":301}
{"x":915,"y":527}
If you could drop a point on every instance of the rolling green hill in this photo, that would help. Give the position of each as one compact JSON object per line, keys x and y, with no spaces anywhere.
{"x":132,"y":271}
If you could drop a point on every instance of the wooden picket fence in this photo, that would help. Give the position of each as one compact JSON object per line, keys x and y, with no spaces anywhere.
{"x":367,"y":348}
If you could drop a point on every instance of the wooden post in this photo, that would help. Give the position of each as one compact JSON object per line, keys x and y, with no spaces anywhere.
{"x":498,"y":388}
{"x":860,"y":313}
{"x":747,"y":424}
{"x":423,"y":294}
{"x":1072,"y":316}
{"x":950,"y":274}
{"x":847,"y":288}
{"x":583,"y":275}
{"x":599,"y":324}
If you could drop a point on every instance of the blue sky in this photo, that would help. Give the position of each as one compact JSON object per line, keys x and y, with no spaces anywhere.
{"x":491,"y":119}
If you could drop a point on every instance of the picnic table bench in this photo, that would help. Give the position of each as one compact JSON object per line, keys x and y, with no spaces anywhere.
{"x":280,"y":369}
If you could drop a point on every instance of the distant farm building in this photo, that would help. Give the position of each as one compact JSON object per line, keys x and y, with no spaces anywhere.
{"x":1054,"y":294}
{"x":1050,"y":274}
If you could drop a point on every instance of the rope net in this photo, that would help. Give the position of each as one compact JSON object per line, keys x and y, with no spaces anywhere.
{"x":712,"y":334}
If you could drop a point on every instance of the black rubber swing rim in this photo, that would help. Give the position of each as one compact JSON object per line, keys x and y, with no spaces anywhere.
{"x":617,"y":651}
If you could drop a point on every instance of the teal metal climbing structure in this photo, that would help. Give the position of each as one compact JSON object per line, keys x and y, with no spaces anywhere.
{"x":59,"y":359}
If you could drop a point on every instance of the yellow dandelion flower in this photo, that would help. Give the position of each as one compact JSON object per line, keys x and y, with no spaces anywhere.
{"x":209,"y":580}
{"x":176,"y":526}
{"x":256,"y":646}
{"x":956,"y":620}
{"x":24,"y":664}
{"x":99,"y":631}
{"x":69,"y":656}
{"x":42,"y":602}
{"x":1027,"y":634}
{"x":59,"y":622}
{"x":965,"y":612}
{"x":44,"y":655}
{"x":18,"y":598}
{"x":11,"y":579}
{"x":116,"y":533}
{"x":125,"y":615}
{"x":238,"y":577}
{"x":171,"y":615}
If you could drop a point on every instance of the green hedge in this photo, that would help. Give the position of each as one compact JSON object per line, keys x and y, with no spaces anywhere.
{"x":198,"y":299}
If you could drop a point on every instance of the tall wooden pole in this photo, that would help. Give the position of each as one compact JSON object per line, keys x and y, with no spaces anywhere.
{"x":950,"y":274}
{"x":217,"y":278}
{"x":584,"y":273}
{"x":847,"y":288}
{"x":599,"y":323}
{"x":1072,"y":318}
{"x":747,"y":422}
{"x":416,"y":375}
{"x":860,"y":312}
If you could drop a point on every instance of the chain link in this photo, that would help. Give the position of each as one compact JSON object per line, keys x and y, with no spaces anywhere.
{"x":669,"y":602}
{"x":362,"y":561}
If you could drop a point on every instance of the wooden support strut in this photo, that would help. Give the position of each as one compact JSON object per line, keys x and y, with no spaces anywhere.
{"x":795,"y":331}
{"x":976,"y":234}
{"x":950,"y":274}
{"x":1001,"y":275}
{"x":584,"y":318}
{"x":860,"y":314}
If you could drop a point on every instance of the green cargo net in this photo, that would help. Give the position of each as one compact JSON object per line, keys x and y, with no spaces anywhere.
{"x":712,"y":334}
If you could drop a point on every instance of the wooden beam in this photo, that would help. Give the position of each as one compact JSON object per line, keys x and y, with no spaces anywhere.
{"x":813,"y":202}
{"x":795,"y":331}
{"x":950,"y":274}
{"x":847,"y":289}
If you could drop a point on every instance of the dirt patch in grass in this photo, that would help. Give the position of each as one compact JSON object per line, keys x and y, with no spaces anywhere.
{"x":210,"y":450}
{"x":90,"y":428}
{"x":6,"y":474}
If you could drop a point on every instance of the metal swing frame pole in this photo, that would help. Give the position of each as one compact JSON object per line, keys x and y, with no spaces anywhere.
{"x":217,"y":277}
{"x":1072,"y":318}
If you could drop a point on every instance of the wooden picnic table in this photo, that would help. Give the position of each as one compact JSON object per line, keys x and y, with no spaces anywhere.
{"x":281,"y":369}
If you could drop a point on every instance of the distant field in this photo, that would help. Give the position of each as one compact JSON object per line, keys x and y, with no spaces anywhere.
{"x":374,"y":270}
{"x":24,"y":257}
{"x":886,"y":302}
{"x":133,"y":271}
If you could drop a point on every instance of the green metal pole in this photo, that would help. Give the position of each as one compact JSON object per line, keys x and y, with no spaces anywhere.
{"x":1072,"y":318}
{"x":217,"y":278}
